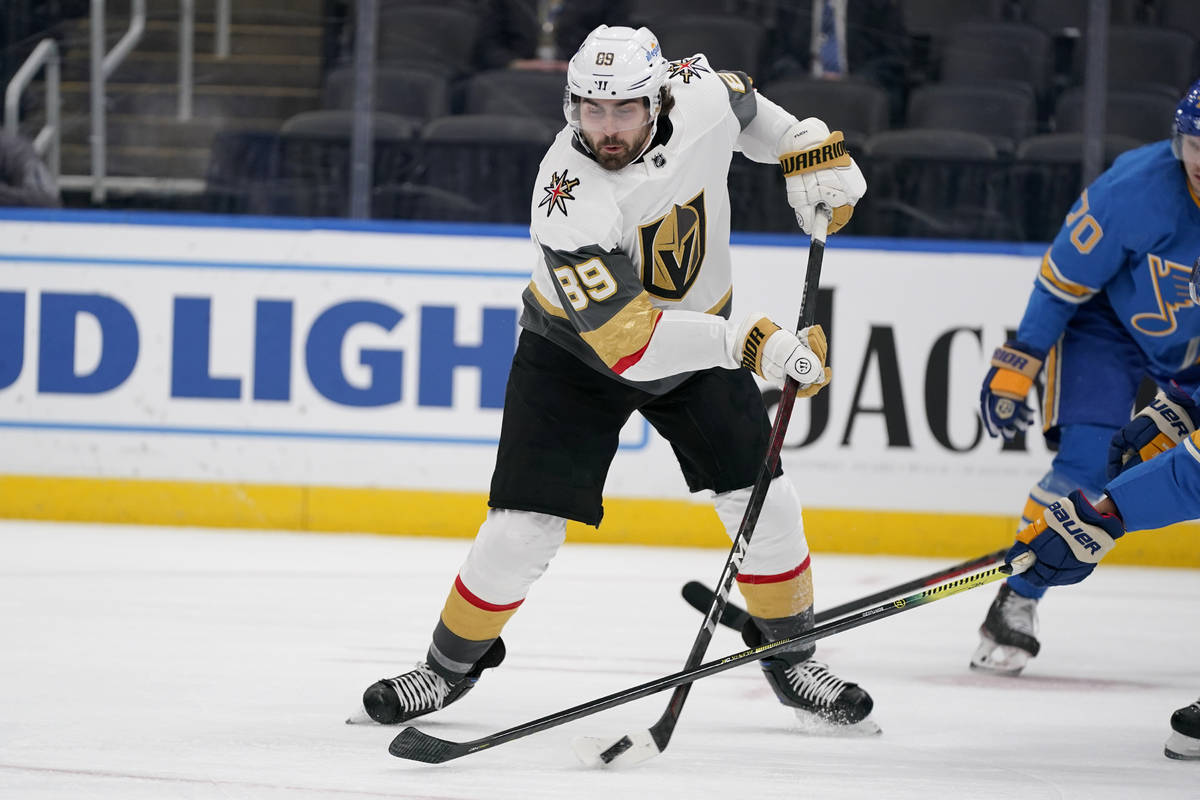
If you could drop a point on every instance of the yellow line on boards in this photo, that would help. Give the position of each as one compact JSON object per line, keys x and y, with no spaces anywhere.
{"x":458,"y":514}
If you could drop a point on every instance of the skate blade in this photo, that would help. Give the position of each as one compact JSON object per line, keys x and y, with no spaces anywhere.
{"x":1183,"y":748}
{"x":809,"y":724}
{"x":999,"y":659}
{"x":360,"y":717}
{"x":633,"y":748}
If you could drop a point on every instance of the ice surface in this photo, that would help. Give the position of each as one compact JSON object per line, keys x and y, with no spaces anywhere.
{"x":176,"y":663}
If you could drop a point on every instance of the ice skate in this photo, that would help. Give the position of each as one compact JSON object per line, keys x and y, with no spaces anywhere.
{"x":1184,"y":742}
{"x":1008,"y":636}
{"x":824,"y":703}
{"x":420,"y":691}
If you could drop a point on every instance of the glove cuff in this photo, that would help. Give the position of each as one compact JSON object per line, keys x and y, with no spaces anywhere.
{"x":751,"y":342}
{"x":1016,"y":370}
{"x":1173,"y":414}
{"x":827,"y":154}
{"x":1088,"y":533}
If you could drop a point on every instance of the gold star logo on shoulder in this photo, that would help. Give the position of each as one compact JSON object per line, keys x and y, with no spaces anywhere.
{"x":558,"y":193}
{"x":687,"y":67}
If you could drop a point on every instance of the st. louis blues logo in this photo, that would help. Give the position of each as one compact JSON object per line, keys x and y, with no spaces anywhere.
{"x":1171,"y":293}
{"x":558,"y":193}
{"x":688,"y":68}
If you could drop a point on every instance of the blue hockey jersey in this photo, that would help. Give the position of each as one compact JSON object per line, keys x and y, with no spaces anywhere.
{"x":1130,"y":240}
{"x":1161,"y":491}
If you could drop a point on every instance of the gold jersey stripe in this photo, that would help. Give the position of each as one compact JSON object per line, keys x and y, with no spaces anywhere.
{"x":721,"y":303}
{"x":545,"y":303}
{"x":1052,"y":276}
{"x":626,"y":332}
{"x":781,"y":599}
{"x":467,"y":620}
{"x":1053,"y":384}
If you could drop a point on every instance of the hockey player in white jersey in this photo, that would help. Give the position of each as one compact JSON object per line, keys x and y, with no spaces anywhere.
{"x":628,"y":310}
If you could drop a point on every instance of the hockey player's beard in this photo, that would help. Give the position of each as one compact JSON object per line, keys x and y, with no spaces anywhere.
{"x":618,"y":158}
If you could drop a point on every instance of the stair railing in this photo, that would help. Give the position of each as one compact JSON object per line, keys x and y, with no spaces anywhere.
{"x":103,"y":65}
{"x":48,"y":142}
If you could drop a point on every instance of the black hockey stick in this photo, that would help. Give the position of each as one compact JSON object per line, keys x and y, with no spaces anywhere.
{"x":700,"y":597}
{"x":660,"y":732}
{"x":414,"y":745}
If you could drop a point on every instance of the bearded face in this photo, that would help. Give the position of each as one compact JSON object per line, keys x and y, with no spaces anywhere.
{"x":615,"y":130}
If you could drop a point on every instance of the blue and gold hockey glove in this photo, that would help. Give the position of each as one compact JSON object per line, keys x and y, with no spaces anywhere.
{"x":1069,"y":541}
{"x":1002,"y":405}
{"x":1169,"y":419}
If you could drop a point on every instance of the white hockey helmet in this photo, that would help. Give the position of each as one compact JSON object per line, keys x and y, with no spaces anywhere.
{"x":615,"y":63}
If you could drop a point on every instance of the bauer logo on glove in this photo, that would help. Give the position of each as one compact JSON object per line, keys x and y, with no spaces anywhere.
{"x":1169,"y":418}
{"x":1069,"y":541}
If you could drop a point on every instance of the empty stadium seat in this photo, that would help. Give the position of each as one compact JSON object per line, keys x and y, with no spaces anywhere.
{"x":1068,"y":147}
{"x":1004,"y":113}
{"x":935,"y":183}
{"x":333,"y":124}
{"x":730,"y":43}
{"x":1059,"y":16}
{"x":443,"y":35}
{"x":517,"y":91}
{"x":1140,"y":55}
{"x":409,"y":91}
{"x":489,"y":128}
{"x":1142,"y":115}
{"x":935,"y":18}
{"x":1180,"y":15}
{"x":856,"y":108}
{"x":985,"y":51}
{"x":931,"y":143}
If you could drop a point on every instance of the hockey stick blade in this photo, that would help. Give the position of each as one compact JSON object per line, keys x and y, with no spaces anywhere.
{"x":662,"y":730}
{"x":700,"y":597}
{"x":621,"y":753}
{"x":413,"y":745}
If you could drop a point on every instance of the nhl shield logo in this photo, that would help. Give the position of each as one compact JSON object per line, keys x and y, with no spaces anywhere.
{"x":673,"y":249}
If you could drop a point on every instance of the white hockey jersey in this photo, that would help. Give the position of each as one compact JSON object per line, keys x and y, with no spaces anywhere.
{"x":615,"y":248}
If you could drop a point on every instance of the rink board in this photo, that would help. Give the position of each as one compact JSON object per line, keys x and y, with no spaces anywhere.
{"x":313,"y":375}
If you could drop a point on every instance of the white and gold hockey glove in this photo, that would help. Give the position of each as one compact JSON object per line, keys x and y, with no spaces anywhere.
{"x":817,"y":169}
{"x":776,"y":354}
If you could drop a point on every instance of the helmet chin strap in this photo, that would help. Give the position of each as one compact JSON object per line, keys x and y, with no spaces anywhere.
{"x":649,"y":139}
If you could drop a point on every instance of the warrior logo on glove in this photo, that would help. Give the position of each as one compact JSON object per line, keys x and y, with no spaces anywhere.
{"x":818,"y":171}
{"x":830,"y":153}
{"x":752,"y":344}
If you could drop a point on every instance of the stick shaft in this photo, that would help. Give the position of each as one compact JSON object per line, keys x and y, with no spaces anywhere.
{"x":414,"y":745}
{"x":662,"y":729}
{"x":955,"y":570}
{"x":734,"y":616}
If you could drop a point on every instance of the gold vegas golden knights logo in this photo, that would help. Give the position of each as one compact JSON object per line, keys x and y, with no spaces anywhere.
{"x":673,"y":249}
